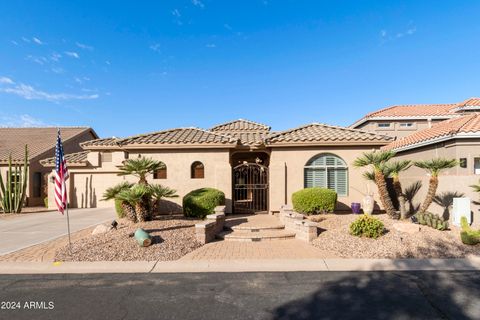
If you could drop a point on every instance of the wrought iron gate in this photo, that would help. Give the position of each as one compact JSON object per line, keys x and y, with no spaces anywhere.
{"x":250,"y":188}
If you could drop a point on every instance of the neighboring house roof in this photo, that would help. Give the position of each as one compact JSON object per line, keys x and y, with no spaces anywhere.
{"x":178,"y":137}
{"x":100,"y":143}
{"x":316,"y":133}
{"x":39,"y":140}
{"x":241,"y":125}
{"x":421,"y":111}
{"x":466,"y":126}
{"x":78,"y":158}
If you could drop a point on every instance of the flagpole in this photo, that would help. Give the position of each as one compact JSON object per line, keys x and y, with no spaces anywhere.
{"x":68,"y":228}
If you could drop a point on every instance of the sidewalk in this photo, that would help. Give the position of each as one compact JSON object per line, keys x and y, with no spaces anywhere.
{"x":258,"y":265}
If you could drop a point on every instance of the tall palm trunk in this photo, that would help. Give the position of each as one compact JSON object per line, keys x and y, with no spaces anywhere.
{"x":402,"y":200}
{"x":141,"y":211}
{"x":432,"y":190}
{"x":383,"y":192}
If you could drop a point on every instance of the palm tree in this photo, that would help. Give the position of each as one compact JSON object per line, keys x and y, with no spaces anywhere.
{"x":159,"y":192}
{"x":112,"y":193}
{"x":476,"y":187}
{"x":377,"y":160}
{"x":394,"y":169}
{"x":135,"y":197}
{"x":433,"y":167}
{"x":140,"y":168}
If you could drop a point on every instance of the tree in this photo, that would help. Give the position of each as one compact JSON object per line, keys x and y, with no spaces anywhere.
{"x":433,"y":167}
{"x":377,"y":161}
{"x":158,"y":192}
{"x":140,"y":168}
{"x":394,"y":169}
{"x":135,"y":197}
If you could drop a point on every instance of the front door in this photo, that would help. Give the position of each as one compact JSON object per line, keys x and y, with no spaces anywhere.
{"x":250,"y":188}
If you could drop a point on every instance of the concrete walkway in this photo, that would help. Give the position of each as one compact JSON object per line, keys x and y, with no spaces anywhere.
{"x":21,"y":231}
{"x":258,"y":265}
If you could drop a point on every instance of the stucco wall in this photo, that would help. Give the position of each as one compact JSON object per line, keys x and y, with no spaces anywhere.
{"x":451,"y":180}
{"x":287,"y":173}
{"x":395,"y":130}
{"x":89,"y":183}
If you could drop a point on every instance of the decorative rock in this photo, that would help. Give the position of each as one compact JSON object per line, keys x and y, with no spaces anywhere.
{"x":406,"y":227}
{"x":100,"y":229}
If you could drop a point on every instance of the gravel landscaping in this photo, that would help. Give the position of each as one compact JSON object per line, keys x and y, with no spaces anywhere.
{"x":173,"y":237}
{"x":410,"y":242}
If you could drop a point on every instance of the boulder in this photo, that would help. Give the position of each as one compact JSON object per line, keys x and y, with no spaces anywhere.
{"x":406,"y":227}
{"x":100,"y":229}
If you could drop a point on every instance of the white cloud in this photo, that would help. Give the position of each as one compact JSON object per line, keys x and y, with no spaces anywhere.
{"x":36,"y":59}
{"x":176,"y":13}
{"x":23,"y":120}
{"x":383,"y":33}
{"x":26,"y":40}
{"x":411,"y":30}
{"x":30,"y":93}
{"x":155,"y":47}
{"x":211,"y":45}
{"x":6,"y":80}
{"x":198,"y":3}
{"x":14,"y":42}
{"x":107,"y":62}
{"x":37,"y":41}
{"x":55,"y":56}
{"x":84,"y":46}
{"x":72,"y":54}
{"x":57,"y":70}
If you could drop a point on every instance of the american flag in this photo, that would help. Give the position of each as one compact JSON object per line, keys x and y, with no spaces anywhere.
{"x":61,"y":176}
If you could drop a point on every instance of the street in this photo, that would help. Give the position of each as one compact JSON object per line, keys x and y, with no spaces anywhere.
{"x":282,"y":295}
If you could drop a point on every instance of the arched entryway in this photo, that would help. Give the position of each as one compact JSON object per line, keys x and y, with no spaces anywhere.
{"x":250,"y":181}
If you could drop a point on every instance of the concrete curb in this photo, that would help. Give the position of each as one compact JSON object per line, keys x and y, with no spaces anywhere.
{"x":271,"y":265}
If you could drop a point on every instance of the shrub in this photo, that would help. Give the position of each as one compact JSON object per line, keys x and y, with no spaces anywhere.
{"x":367,"y":226}
{"x":202,"y":202}
{"x":314,"y":200}
{"x":45,"y":202}
{"x":431,"y":220}
{"x":119,"y":209}
{"x":468,"y":235}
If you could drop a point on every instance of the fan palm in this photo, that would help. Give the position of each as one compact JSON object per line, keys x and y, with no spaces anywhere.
{"x":377,"y":160}
{"x":135,"y":197}
{"x":434,"y":167}
{"x":112,"y":192}
{"x":159,"y":192}
{"x":140,"y":168}
{"x":476,"y":187}
{"x":394,"y":169}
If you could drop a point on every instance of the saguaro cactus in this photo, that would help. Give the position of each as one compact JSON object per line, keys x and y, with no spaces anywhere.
{"x":12,"y":194}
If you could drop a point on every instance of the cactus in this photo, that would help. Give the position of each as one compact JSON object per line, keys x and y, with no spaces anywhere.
{"x":468,"y":235}
{"x":432,"y":220}
{"x":12,"y":194}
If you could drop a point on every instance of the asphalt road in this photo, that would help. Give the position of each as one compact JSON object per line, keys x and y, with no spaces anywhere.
{"x":21,"y":231}
{"x":294,"y":295}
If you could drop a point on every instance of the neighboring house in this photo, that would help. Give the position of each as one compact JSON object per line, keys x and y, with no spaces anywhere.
{"x":41,"y":144}
{"x":456,"y":138}
{"x":401,"y":121}
{"x":257,"y":169}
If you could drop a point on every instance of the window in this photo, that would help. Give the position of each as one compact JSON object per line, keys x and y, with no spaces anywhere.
{"x":161,"y":173}
{"x":327,"y":171}
{"x":476,"y":165}
{"x":384,"y":125}
{"x":106,"y":156}
{"x":406,"y":125}
{"x":37,"y":184}
{"x":197,"y":170}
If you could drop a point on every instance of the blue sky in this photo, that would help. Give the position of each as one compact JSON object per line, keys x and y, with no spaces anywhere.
{"x":140,"y":66}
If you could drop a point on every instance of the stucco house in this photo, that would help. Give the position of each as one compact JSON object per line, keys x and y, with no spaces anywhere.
{"x":41,"y":144}
{"x":256,"y":168}
{"x":403,"y":120}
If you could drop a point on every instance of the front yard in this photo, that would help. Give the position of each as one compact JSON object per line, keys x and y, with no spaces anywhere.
{"x":402,"y":239}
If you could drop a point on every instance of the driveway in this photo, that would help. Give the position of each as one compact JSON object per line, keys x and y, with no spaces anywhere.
{"x":26,"y":230}
{"x":242,"y":296}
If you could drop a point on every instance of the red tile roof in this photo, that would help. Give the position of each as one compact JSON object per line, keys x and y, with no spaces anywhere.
{"x":241,"y":125}
{"x":444,"y":130}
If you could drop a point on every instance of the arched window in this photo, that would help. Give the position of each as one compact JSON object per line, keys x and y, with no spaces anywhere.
{"x":197,"y":170}
{"x":160,"y":173}
{"x":327,"y":171}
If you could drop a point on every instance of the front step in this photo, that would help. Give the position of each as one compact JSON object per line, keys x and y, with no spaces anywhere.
{"x":256,"y":235}
{"x":253,"y":228}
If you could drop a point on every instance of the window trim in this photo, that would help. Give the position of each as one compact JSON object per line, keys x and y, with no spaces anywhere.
{"x":326,"y":167}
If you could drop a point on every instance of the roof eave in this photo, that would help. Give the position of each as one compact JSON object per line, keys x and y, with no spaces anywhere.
{"x":328,"y":143}
{"x":178,"y":146}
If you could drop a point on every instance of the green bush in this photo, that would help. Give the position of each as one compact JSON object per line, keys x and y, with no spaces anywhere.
{"x":431,"y":220}
{"x":119,"y":209}
{"x":468,"y":235}
{"x":202,"y":202}
{"x":367,"y":226}
{"x":314,"y":200}
{"x":45,"y":202}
